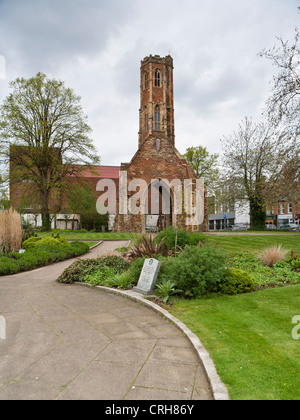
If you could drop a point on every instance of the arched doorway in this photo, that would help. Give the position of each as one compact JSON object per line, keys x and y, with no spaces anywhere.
{"x":158,"y":206}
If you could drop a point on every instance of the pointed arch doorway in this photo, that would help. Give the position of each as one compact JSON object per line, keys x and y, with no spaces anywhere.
{"x":158,"y":206}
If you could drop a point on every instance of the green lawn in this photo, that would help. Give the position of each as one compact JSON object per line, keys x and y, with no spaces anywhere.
{"x":249,"y":337}
{"x":92,"y":235}
{"x":230,"y":242}
{"x":238,"y":242}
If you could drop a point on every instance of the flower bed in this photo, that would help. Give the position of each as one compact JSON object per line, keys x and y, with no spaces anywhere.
{"x":40,"y":254}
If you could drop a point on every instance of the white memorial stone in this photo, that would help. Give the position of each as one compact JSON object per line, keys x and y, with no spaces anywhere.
{"x":148,"y":277}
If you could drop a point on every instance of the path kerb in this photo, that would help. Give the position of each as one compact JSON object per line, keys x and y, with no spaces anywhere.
{"x":219,"y":390}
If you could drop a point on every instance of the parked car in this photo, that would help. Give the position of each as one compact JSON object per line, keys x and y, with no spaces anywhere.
{"x":291,"y":226}
{"x":234,"y":227}
{"x":271,"y":226}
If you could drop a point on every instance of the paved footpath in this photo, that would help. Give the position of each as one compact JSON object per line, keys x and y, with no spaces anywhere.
{"x":67,"y":342}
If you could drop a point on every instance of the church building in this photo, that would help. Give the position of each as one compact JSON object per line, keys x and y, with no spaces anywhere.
{"x":165,"y":173}
{"x":155,"y":190}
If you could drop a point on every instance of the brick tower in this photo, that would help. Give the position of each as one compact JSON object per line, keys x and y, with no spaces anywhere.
{"x":157,"y":162}
{"x":157,"y":103}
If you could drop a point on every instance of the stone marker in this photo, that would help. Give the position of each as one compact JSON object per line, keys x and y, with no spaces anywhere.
{"x":148,"y":277}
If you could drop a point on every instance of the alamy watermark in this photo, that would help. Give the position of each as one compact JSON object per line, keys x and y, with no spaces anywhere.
{"x":2,"y":328}
{"x":178,"y":197}
{"x":296,"y":329}
{"x":2,"y":67}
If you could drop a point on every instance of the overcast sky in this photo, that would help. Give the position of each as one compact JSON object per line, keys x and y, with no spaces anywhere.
{"x":96,"y":47}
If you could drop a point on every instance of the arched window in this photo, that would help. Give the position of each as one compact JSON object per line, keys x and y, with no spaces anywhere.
{"x":157,"y":78}
{"x":146,"y":80}
{"x":146,"y":125}
{"x":157,"y":118}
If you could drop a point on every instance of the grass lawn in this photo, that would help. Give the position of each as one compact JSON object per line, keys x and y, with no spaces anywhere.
{"x":238,"y":242}
{"x":230,"y":242}
{"x":92,"y":243}
{"x":249,"y":337}
{"x":76,"y":234}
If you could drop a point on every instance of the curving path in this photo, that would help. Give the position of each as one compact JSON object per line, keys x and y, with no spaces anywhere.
{"x":67,"y":342}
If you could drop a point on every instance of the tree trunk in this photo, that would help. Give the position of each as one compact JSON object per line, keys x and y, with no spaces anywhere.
{"x":257,"y":213}
{"x":46,"y":224}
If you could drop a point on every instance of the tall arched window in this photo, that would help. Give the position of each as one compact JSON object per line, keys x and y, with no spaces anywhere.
{"x":146,"y":80}
{"x":146,"y":125}
{"x":157,"y":78}
{"x":157,"y":118}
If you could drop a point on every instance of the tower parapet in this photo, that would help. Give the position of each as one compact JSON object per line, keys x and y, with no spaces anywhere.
{"x":157,"y":99}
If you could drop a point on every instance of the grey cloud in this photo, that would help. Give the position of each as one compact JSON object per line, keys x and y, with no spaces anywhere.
{"x":44,"y":33}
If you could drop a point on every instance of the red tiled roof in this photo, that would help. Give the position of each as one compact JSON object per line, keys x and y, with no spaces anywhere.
{"x":111,"y":172}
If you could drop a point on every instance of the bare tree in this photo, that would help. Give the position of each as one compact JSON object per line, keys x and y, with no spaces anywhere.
{"x":283,"y":105}
{"x":283,"y":110}
{"x":250,"y":156}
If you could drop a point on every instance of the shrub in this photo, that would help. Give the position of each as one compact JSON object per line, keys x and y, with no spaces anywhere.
{"x":117,"y":263}
{"x":121,"y":281}
{"x":294,"y":260}
{"x":183,"y":237}
{"x":236,"y":281}
{"x":99,"y":276}
{"x":46,"y":241}
{"x":166,"y":289}
{"x":81,"y":268}
{"x":30,"y":242}
{"x":148,"y":247}
{"x":295,"y":263}
{"x":284,"y":273}
{"x":8,"y":266}
{"x":39,"y":255}
{"x":10,"y":231}
{"x":196,"y":270}
{"x":271,"y":256}
{"x":136,"y":268}
{"x":27,"y":231}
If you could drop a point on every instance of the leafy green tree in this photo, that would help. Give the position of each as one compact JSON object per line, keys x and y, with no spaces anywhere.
{"x":205,"y":166}
{"x":82,"y":201}
{"x":45,"y":136}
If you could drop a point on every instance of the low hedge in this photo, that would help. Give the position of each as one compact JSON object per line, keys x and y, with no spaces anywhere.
{"x":82,"y":268}
{"x":236,"y":281}
{"x":38,"y":241}
{"x":39,"y":255}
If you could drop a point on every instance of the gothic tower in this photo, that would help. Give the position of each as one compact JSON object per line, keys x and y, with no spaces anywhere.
{"x":157,"y":163}
{"x":157,"y":103}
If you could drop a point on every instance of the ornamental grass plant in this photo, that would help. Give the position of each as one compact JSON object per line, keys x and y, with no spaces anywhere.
{"x":10,"y":231}
{"x":272,"y":255}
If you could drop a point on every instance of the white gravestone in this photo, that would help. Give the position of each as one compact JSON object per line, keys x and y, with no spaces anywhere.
{"x":148,"y":277}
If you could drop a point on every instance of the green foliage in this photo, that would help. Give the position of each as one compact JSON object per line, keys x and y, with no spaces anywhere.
{"x":294,"y":260}
{"x":135,"y":269}
{"x":38,"y":241}
{"x":118,"y":264}
{"x":295,"y":263}
{"x":148,"y":247}
{"x":284,"y":272}
{"x":264,"y":276}
{"x":28,"y":231}
{"x":166,"y":289}
{"x":81,"y":201}
{"x":40,"y":255}
{"x":183,"y":237}
{"x":236,"y":281}
{"x":84,"y":267}
{"x":196,"y":270}
{"x":121,"y":281}
{"x":99,"y":276}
